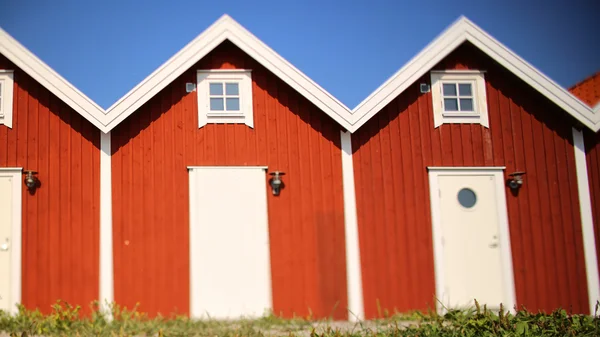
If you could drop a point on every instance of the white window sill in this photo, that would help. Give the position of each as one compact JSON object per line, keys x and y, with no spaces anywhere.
{"x":225,"y":114}
{"x":461,"y":114}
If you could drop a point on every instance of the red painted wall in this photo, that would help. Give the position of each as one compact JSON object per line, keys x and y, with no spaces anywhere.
{"x":527,"y":132}
{"x":592,"y":150}
{"x":60,"y":221}
{"x":151,"y":150}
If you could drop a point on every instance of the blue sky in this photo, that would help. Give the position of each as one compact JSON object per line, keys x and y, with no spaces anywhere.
{"x":348,"y":47}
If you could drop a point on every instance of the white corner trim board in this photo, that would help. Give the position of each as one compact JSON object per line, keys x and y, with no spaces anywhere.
{"x":353,"y":265}
{"x":587,"y":224}
{"x":106,"y":242}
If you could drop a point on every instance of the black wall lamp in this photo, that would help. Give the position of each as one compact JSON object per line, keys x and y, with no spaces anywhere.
{"x":275,"y":182}
{"x":516,"y":180}
{"x":31,"y":181}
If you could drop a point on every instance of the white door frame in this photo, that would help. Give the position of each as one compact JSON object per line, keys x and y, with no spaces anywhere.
{"x":15,"y":242}
{"x":509,"y":301}
{"x":194,"y":307}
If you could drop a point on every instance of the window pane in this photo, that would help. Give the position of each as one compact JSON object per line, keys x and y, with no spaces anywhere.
{"x":216,"y":89}
{"x":449,"y":89}
{"x":467,"y":198}
{"x":466,"y":104}
{"x":216,"y":104}
{"x":450,"y":104}
{"x":465,"y":89}
{"x":233,"y":104}
{"x":232,"y":89}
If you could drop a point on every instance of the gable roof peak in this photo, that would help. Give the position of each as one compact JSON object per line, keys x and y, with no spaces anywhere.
{"x":226,"y":28}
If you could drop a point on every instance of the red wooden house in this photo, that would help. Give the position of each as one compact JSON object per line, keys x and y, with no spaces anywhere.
{"x":228,"y":183}
{"x":49,"y":239}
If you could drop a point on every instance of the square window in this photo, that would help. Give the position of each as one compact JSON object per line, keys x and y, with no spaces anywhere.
{"x":451,"y":97}
{"x":228,"y":100}
{"x":6,"y":97}
{"x":459,"y":97}
{"x":224,"y":96}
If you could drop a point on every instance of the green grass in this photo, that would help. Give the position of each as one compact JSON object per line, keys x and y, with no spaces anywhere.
{"x":65,"y":320}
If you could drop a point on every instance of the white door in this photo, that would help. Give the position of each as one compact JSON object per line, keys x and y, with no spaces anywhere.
{"x":473,"y":239}
{"x":229,"y":242}
{"x":10,"y":222}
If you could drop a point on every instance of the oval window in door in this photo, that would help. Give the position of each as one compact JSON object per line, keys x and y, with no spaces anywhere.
{"x":467,"y":197}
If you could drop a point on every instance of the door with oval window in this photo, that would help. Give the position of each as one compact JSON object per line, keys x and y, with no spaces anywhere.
{"x":471,"y":229}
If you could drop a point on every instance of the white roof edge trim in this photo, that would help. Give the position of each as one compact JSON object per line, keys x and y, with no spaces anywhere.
{"x":460,"y":31}
{"x":25,"y":60}
{"x":225,"y":28}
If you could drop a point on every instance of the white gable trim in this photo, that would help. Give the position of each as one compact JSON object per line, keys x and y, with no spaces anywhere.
{"x":51,"y":80}
{"x":461,"y":31}
{"x":228,"y":29}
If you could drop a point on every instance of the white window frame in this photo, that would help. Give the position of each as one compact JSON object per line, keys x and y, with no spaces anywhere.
{"x":480,"y":108}
{"x":241,"y":76}
{"x":6,"y":97}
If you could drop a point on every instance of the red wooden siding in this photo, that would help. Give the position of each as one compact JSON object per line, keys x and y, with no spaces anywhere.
{"x":60,"y":221}
{"x":592,"y":150}
{"x":151,"y":150}
{"x":527,"y":132}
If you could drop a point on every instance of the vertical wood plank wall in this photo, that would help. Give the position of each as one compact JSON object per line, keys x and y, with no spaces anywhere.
{"x":151,"y":150}
{"x":592,"y":151}
{"x":527,"y":132}
{"x":60,"y":221}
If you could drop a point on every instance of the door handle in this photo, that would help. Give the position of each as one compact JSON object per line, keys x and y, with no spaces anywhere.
{"x":494,"y":244}
{"x":4,"y":247}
